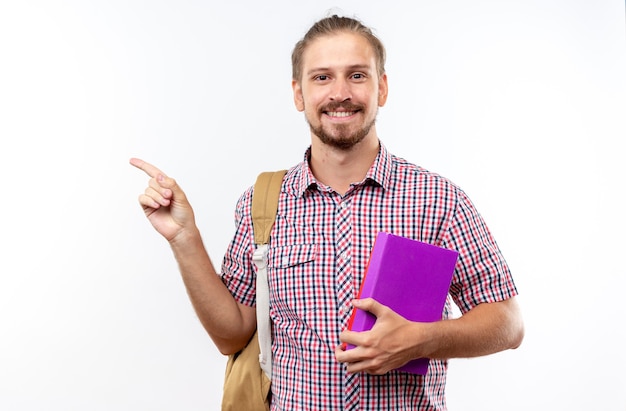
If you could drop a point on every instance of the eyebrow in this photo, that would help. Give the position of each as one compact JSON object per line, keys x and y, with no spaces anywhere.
{"x":354,"y":67}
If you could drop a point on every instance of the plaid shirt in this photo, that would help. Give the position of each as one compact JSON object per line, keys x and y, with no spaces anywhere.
{"x":319,"y":250}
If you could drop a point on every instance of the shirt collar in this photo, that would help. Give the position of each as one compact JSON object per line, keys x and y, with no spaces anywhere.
{"x":379,"y":173}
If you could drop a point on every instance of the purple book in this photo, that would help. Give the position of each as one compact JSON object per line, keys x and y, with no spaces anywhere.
{"x":410,"y":277}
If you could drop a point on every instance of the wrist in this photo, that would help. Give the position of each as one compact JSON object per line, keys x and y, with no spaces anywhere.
{"x":186,"y":239}
{"x":436,"y":341}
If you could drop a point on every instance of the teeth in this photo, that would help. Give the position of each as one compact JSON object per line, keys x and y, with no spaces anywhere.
{"x":340,"y":113}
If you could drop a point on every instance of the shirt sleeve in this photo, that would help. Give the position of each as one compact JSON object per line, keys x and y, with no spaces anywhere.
{"x":238,"y":272}
{"x":482,"y":275}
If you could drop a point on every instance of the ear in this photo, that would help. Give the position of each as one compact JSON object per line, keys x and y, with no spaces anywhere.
{"x":298,"y":99}
{"x":383,"y":89}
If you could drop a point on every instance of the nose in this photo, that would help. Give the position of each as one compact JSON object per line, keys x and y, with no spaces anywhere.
{"x":340,"y":90}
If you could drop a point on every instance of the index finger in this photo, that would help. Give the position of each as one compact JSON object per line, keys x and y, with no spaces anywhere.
{"x":148,"y":168}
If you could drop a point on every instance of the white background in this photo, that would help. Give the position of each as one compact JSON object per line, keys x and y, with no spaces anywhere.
{"x":522,"y":103}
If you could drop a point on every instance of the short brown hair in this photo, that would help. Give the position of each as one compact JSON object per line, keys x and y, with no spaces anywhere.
{"x":331,"y":25}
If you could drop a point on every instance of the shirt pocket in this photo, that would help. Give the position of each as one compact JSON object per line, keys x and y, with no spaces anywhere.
{"x":294,"y":289}
{"x":291,"y":255}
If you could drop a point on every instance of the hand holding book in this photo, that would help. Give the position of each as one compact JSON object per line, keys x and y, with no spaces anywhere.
{"x":409,"y":277}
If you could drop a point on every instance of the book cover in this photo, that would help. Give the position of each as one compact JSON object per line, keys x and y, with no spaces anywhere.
{"x":410,"y":277}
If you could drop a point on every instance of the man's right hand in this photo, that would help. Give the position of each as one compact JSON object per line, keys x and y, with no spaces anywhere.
{"x":164,"y":203}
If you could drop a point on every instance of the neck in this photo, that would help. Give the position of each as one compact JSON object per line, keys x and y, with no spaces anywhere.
{"x":338,"y":168}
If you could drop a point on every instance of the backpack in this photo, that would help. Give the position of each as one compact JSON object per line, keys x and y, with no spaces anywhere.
{"x":247,"y":381}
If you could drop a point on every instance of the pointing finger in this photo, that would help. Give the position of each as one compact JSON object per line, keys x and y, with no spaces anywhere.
{"x":148,"y":168}
{"x":166,"y":187}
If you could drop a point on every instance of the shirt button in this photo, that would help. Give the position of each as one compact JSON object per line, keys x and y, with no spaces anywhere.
{"x":285,"y":261}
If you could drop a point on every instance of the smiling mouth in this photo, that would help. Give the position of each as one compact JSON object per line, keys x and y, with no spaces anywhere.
{"x":340,"y":114}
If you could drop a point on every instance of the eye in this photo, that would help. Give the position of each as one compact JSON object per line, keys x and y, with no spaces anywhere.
{"x":321,"y":77}
{"x":358,"y":76}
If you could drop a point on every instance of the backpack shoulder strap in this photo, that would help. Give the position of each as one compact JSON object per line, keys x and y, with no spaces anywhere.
{"x":264,"y":207}
{"x":265,"y":204}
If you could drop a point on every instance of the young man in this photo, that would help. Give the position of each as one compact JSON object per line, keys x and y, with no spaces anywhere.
{"x":332,"y":205}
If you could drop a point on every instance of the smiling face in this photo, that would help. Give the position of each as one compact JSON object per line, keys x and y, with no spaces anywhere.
{"x":340,"y":89}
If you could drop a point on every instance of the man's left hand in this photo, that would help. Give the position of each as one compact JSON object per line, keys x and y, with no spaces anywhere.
{"x":392,"y":342}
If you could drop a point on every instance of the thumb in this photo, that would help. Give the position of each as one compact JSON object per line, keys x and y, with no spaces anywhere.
{"x":171,"y":185}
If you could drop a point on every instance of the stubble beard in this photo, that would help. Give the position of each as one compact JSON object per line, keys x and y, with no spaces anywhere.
{"x":340,"y":137}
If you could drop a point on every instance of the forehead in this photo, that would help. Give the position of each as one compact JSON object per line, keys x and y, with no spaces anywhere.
{"x":337,"y":50}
